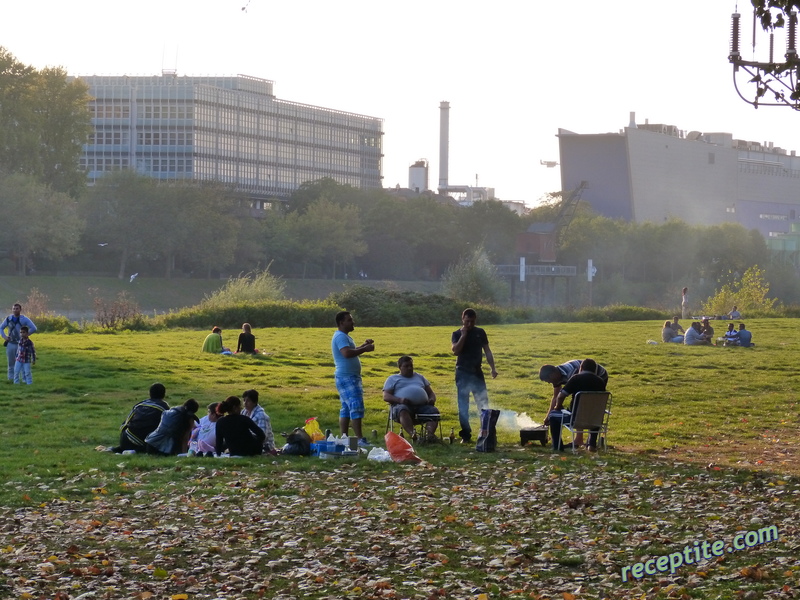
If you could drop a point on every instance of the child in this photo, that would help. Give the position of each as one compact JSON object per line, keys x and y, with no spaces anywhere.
{"x":204,"y":436}
{"x":26,"y":356}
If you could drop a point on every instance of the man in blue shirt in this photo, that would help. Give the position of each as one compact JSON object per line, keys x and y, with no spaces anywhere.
{"x":13,"y":322}
{"x":348,"y":375}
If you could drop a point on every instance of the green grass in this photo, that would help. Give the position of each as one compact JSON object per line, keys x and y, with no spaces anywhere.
{"x":702,"y":447}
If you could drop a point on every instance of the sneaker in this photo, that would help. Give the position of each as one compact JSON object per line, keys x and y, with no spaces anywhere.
{"x":466,"y":441}
{"x":364,"y":443}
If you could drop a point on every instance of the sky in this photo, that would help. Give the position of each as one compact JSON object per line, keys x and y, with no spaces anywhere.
{"x":513,"y":72}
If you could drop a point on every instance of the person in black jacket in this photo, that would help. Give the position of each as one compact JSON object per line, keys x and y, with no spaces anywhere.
{"x":235,"y":432}
{"x":142,"y":420}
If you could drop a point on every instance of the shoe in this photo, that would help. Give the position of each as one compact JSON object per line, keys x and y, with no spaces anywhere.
{"x":364,"y":443}
{"x":466,"y":441}
{"x":592,"y":448}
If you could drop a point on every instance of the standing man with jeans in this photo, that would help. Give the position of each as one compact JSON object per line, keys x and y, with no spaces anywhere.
{"x":348,"y":375}
{"x":469,"y":344}
{"x":13,"y":322}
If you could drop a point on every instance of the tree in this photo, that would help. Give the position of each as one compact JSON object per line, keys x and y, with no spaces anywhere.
{"x":37,"y":221}
{"x":123,"y":209}
{"x":44,"y":121}
{"x":327,"y":234}
{"x":749,"y":293}
{"x":65,"y":122}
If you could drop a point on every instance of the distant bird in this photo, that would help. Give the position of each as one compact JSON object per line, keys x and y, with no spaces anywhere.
{"x":103,"y":244}
{"x":134,"y":276}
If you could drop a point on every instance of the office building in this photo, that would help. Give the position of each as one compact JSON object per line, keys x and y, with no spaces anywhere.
{"x":228,"y":129}
{"x":653,"y":173}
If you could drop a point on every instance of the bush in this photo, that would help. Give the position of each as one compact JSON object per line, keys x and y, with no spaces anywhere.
{"x":748,"y":294}
{"x":258,"y":314}
{"x":386,"y":308}
{"x":474,"y":280}
{"x":122,"y":313}
{"x":254,"y":287}
{"x":56,"y":323}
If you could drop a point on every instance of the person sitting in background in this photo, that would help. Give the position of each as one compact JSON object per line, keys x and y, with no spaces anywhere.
{"x":171,"y":437}
{"x":677,"y":326}
{"x":247,"y":341}
{"x":745,"y":337}
{"x":694,"y":336}
{"x":707,"y":330}
{"x":734,"y":314}
{"x":731,"y":337}
{"x":213,"y":341}
{"x":409,"y":395}
{"x":668,"y":334}
{"x":260,"y":418}
{"x":235,"y":432}
{"x":204,"y":436}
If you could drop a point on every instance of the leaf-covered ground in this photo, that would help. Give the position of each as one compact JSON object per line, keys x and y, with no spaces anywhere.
{"x":522,"y":523}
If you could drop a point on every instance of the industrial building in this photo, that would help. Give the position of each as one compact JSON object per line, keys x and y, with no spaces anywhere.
{"x":647,"y":172}
{"x":227,"y":129}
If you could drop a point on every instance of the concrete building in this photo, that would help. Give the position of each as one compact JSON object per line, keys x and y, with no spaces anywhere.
{"x":229,"y":129}
{"x":654,"y":173}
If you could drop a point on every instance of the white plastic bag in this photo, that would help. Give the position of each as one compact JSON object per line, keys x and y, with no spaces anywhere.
{"x":379,"y":455}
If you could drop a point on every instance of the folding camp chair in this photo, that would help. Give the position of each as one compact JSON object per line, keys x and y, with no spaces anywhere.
{"x":590,"y":412}
{"x":420,"y":424}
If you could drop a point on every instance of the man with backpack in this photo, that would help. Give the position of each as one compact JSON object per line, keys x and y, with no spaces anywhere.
{"x":13,"y":323}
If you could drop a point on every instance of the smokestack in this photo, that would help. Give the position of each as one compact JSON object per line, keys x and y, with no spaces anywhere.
{"x":444,"y":143}
{"x":632,"y":124}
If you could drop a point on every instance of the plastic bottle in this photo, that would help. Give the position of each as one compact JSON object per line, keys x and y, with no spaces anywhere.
{"x":327,"y":433}
{"x":375,"y":434}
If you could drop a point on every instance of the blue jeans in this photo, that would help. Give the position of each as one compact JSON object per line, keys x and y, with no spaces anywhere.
{"x":11,"y":355}
{"x":22,"y":373}
{"x":469,"y":382}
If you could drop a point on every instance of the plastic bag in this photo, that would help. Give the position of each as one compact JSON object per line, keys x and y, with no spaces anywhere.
{"x":379,"y":455}
{"x":313,"y":430}
{"x":399,"y":449}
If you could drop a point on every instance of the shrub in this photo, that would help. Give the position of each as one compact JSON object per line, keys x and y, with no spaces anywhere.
{"x":122,"y":313}
{"x":253,"y":287}
{"x":749,"y":294}
{"x":258,"y":314}
{"x":36,"y":305}
{"x":474,"y":280}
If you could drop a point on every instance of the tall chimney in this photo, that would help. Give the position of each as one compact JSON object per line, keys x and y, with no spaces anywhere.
{"x":632,"y":124}
{"x":444,"y":144}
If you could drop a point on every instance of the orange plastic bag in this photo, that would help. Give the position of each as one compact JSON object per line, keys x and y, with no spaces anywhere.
{"x":313,"y":430}
{"x":399,"y":449}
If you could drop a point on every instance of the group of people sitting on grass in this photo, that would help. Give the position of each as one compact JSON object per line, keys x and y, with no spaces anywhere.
{"x":231,"y":426}
{"x":702,"y":333}
{"x":245,"y":345}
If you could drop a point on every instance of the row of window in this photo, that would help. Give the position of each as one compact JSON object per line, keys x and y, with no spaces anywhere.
{"x":103,"y":164}
{"x":165,"y":138}
{"x":109,"y":137}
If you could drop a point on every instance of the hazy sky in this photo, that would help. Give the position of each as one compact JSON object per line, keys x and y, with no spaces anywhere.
{"x":513,"y":71}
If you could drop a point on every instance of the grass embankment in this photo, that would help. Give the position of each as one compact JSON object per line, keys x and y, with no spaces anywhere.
{"x":518,"y":523}
{"x":74,"y":295}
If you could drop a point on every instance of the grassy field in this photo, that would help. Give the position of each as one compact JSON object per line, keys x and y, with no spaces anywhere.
{"x":703,"y":448}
